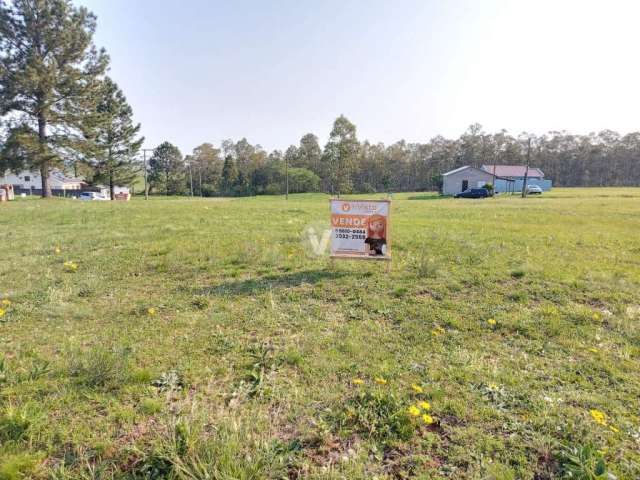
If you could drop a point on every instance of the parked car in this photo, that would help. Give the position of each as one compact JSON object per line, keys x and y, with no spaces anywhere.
{"x":473,"y":193}
{"x":92,"y":196}
{"x":534,"y":190}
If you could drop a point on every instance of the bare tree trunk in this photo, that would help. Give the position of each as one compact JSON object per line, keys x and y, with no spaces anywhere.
{"x":44,"y":165}
{"x":111,"y":187}
{"x":44,"y":174}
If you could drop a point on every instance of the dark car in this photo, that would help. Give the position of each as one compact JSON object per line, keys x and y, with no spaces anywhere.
{"x":473,"y":193}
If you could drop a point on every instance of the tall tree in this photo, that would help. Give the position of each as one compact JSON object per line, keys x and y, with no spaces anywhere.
{"x":291,"y":156}
{"x":340,"y":156}
{"x":309,"y":153}
{"x":230,"y":175}
{"x":115,"y":138}
{"x":49,"y":69}
{"x":166,"y":169}
{"x":207,"y":168}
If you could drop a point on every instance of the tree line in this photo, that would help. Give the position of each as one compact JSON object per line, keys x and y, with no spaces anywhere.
{"x":346,"y":165}
{"x":59,"y":109}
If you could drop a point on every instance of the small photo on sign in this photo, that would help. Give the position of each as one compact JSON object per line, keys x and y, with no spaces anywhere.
{"x":360,"y":229}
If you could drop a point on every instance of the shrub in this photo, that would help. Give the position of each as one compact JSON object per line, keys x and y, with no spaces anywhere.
{"x":489,"y":187}
{"x":302,"y":180}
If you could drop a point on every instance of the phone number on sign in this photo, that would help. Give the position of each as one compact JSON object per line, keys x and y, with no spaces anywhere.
{"x":350,"y":234}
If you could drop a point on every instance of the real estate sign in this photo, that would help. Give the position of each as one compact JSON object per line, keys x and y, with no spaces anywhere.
{"x":360,"y":229}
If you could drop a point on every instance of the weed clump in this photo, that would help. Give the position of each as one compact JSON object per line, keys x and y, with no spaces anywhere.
{"x":168,"y":381}
{"x":582,"y":462}
{"x":519,"y":273}
{"x":18,"y":466}
{"x":377,"y":414}
{"x":101,"y":367}
{"x":150,"y":406}
{"x":14,"y":423}
{"x":427,"y":267}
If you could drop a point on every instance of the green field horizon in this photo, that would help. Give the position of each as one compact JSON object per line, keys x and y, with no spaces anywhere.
{"x":199,"y":338}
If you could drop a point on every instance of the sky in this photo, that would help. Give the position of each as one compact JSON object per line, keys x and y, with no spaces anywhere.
{"x":273,"y":70}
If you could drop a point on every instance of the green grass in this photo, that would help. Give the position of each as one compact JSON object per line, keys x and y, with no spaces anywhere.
{"x":198,"y":339}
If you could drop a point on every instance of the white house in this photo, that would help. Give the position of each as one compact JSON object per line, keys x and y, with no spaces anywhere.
{"x":460,"y":179}
{"x":32,"y":181}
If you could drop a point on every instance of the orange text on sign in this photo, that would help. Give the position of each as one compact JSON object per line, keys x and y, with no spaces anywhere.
{"x":358,"y":221}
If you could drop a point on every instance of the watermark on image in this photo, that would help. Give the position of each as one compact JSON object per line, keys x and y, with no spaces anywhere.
{"x":316,"y":239}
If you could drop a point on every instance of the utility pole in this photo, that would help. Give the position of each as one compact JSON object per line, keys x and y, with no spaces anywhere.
{"x":493,"y":179}
{"x":144,"y":156}
{"x":190,"y":178}
{"x":286,"y":178}
{"x":526,"y":172}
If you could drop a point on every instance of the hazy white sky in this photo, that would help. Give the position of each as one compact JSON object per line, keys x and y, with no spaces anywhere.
{"x":271,"y":71}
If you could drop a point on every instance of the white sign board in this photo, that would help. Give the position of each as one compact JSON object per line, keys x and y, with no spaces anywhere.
{"x":360,"y":229}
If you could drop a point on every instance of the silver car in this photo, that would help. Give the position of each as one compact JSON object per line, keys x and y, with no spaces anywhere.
{"x":92,"y":196}
{"x":534,"y":190}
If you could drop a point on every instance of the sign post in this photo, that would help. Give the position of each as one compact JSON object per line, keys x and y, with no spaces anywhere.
{"x":360,"y":229}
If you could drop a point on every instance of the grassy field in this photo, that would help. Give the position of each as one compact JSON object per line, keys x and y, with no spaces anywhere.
{"x":197,"y":339}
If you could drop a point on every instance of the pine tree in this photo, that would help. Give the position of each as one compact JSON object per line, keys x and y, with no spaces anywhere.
{"x":113,"y":136}
{"x":49,"y":69}
{"x":166,"y":169}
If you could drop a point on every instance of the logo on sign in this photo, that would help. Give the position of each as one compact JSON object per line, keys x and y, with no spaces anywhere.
{"x":316,"y":238}
{"x":346,"y":207}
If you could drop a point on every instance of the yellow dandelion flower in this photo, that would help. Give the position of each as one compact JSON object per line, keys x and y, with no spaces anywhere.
{"x":492,"y":321}
{"x":151,"y":311}
{"x":2,"y":312}
{"x":436,"y":332}
{"x":70,"y":266}
{"x":417,"y":388}
{"x":6,"y":302}
{"x":414,"y":411}
{"x":596,"y":316}
{"x":613,"y":429}
{"x":426,"y":418}
{"x":593,"y":350}
{"x":380,"y":381}
{"x":598,"y":416}
{"x":57,"y":250}
{"x":424,"y":405}
{"x":357,"y":381}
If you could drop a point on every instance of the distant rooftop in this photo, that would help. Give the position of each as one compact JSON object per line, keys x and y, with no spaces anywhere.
{"x":513,"y":170}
